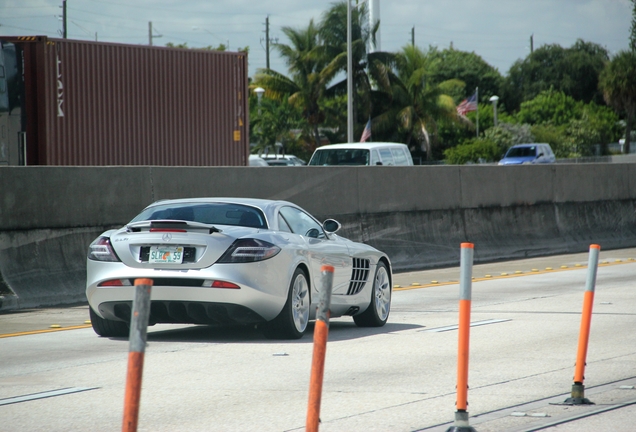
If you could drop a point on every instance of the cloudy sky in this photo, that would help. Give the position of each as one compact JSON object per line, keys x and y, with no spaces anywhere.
{"x":498,"y":30}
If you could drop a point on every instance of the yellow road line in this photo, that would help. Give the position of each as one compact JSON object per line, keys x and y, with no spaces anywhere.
{"x":507,"y":276}
{"x":49,"y":330}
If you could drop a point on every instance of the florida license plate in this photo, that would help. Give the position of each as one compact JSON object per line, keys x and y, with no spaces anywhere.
{"x":165,"y":255}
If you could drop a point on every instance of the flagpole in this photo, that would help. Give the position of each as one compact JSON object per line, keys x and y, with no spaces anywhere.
{"x":477,"y":101}
{"x":349,"y":77}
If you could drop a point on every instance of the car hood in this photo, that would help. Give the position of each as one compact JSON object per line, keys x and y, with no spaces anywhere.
{"x":516,"y":160}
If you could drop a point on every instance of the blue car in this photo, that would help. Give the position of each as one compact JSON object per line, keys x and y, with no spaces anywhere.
{"x":533,"y":153}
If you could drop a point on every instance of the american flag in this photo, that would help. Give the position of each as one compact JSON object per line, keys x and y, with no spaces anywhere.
{"x":467,"y":105}
{"x":366,"y":133}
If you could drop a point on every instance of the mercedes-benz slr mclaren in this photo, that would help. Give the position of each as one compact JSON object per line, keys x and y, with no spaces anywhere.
{"x":231,"y":261}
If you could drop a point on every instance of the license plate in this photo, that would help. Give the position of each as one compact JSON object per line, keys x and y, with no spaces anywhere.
{"x":165,"y":255}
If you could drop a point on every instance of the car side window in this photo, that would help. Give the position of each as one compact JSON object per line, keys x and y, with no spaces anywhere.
{"x":547,"y":152}
{"x":387,"y":157}
{"x":301,"y":223}
{"x":282,"y":224}
{"x":398,"y":156}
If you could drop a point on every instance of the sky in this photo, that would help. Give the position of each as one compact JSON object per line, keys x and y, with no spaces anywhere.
{"x":497,"y":30}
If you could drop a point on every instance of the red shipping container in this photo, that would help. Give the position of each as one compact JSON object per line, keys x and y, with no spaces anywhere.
{"x":95,"y":103}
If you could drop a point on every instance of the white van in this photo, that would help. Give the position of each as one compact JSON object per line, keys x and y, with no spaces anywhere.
{"x":362,"y":154}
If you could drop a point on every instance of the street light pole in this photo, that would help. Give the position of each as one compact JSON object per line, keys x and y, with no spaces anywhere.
{"x":259,"y":94}
{"x":494,"y":100}
{"x":349,"y":77}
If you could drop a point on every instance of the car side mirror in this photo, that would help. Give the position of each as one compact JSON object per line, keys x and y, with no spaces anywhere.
{"x":331,"y":226}
{"x":539,"y":155}
{"x":378,"y":163}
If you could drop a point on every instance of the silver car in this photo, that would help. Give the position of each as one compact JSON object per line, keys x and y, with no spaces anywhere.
{"x":228,"y":261}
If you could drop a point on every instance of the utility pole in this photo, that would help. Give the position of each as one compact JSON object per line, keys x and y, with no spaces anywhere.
{"x":150,"y":35}
{"x":531,"y":43}
{"x":413,"y":36}
{"x":64,"y":18}
{"x":267,"y":42}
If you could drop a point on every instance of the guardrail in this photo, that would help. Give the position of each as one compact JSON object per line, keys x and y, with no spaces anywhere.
{"x":416,"y":214}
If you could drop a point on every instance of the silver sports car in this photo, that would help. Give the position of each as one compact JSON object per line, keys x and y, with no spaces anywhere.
{"x":224,"y":261}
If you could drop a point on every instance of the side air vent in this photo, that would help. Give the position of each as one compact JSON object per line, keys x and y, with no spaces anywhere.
{"x":359,"y":275}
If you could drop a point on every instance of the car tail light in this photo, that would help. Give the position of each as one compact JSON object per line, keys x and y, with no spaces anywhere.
{"x":220,"y":284}
{"x":115,"y":283}
{"x":249,"y":250}
{"x":101,"y":250}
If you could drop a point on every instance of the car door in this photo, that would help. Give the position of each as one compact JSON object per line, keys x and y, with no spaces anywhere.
{"x":322,"y":249}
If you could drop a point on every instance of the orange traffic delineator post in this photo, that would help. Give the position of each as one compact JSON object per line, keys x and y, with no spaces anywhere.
{"x":465,"y":285}
{"x":136,"y":350}
{"x":321,"y":332}
{"x":578,"y":389}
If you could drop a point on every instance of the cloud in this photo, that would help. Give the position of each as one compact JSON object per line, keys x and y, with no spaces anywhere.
{"x":499,"y":31}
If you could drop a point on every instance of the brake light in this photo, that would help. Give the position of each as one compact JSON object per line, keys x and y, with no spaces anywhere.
{"x":115,"y":283}
{"x":220,"y":284}
{"x":249,"y":250}
{"x":102,"y":250}
{"x":167,"y":230}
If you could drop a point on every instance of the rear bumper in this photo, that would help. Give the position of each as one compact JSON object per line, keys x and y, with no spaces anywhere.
{"x":263,"y":291}
{"x":186,"y":312}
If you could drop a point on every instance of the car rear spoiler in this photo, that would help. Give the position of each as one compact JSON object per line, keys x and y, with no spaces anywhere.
{"x":167,"y":225}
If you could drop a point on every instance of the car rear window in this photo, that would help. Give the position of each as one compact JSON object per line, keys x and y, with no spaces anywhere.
{"x":207,"y":213}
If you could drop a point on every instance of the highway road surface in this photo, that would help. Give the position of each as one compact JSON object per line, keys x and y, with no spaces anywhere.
{"x":57,"y":375}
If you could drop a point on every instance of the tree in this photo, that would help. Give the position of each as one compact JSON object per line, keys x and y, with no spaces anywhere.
{"x":418,"y":103}
{"x":632,"y":34}
{"x":271,"y":122}
{"x":469,"y":68}
{"x":618,"y":83}
{"x":550,"y":106}
{"x":555,"y":136}
{"x":309,"y":77}
{"x":184,"y":45}
{"x":505,"y":135}
{"x":574,"y":71}
{"x":371,"y":86}
{"x":475,"y":150}
{"x":578,"y":126}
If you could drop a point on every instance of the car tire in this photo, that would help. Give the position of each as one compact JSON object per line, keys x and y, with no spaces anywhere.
{"x":291,"y":322}
{"x":377,"y":313}
{"x":108,"y":328}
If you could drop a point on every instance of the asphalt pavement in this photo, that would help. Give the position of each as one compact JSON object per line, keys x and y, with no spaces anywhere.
{"x":614,"y":401}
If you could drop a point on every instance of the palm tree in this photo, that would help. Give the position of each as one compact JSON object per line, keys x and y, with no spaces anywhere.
{"x":370,"y":70}
{"x":618,"y":83}
{"x":308,"y":76}
{"x":418,"y":103}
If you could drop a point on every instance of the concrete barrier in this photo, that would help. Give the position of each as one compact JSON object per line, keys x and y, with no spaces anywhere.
{"x":418,"y":215}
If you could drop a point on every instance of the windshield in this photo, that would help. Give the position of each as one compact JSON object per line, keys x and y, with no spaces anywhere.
{"x":522,"y":152}
{"x":340,"y":157}
{"x":207,"y":213}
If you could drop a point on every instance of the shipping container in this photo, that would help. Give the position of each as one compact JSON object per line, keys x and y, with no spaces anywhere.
{"x":70,"y":102}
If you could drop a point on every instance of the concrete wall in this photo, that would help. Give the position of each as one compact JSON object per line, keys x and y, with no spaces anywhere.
{"x":418,"y":215}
